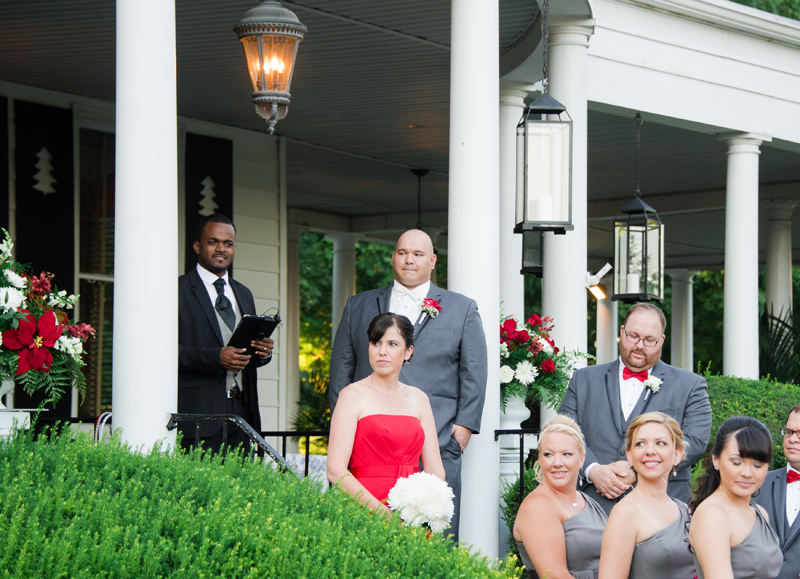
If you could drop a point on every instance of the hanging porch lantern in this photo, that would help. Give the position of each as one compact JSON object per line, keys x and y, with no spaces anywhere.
{"x":638,"y":247}
{"x":544,"y":143}
{"x":532,"y":253}
{"x":544,"y":158}
{"x":270,"y":35}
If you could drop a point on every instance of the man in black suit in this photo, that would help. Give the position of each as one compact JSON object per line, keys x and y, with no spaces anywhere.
{"x":214,"y":378}
{"x":780,"y":497}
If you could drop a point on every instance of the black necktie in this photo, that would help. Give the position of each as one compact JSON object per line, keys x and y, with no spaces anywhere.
{"x":223,"y":305}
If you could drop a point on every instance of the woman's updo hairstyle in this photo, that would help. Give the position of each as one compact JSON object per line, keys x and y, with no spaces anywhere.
{"x":657,"y":418}
{"x":754,"y":442}
{"x":566,"y":425}
{"x":382,"y":322}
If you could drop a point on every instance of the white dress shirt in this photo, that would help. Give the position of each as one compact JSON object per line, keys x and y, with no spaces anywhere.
{"x":209,"y":279}
{"x":410,"y":303}
{"x":792,"y":498}
{"x":630,"y":391}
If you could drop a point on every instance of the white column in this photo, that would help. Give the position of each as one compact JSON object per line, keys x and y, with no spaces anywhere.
{"x":292,"y":320}
{"x":473,"y":238}
{"x":607,"y":328}
{"x":145,"y":373}
{"x":564,"y":278}
{"x":682,"y":331}
{"x":740,"y":319}
{"x":779,"y":256}
{"x":512,"y":282}
{"x":344,"y":274}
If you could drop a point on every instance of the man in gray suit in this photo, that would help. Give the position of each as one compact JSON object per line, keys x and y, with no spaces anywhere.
{"x":604,"y":400}
{"x":780,"y":497}
{"x":449,"y":361}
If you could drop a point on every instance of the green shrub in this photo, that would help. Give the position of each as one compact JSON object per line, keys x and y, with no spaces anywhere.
{"x":510,"y":506}
{"x":71,"y":509}
{"x":767,"y":401}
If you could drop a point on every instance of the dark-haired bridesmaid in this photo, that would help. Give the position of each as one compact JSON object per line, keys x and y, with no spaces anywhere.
{"x":730,"y":535}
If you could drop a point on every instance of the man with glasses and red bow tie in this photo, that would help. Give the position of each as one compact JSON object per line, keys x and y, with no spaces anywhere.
{"x":604,"y":400}
{"x":780,"y":497}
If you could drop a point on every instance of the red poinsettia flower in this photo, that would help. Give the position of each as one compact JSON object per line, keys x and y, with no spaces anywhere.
{"x":548,"y":366}
{"x":33,"y":341}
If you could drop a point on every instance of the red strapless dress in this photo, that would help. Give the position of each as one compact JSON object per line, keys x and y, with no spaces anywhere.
{"x":386,"y":447}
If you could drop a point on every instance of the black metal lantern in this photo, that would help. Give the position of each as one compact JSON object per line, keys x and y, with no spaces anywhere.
{"x":270,"y":35}
{"x":532,"y":253}
{"x":638,"y":247}
{"x":544,"y":157}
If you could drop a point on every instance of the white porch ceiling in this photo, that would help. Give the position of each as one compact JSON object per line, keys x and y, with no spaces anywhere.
{"x":365,"y":72}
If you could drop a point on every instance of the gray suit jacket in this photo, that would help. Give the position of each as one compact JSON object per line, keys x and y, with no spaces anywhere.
{"x":772,"y":497}
{"x":593,"y":400}
{"x":448,"y":364}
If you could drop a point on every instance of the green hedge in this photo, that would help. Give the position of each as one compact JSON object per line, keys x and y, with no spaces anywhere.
{"x":71,"y":509}
{"x":770,"y":402}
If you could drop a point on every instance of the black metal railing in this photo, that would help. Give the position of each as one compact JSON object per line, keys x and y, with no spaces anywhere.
{"x":521,"y":432}
{"x":284,"y":435}
{"x":263,"y":447}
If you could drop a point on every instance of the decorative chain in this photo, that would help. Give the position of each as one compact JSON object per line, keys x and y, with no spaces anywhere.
{"x":637,"y":121}
{"x":545,"y":43}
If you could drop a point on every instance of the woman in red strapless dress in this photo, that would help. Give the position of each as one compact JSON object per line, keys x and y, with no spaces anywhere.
{"x":381,"y":428}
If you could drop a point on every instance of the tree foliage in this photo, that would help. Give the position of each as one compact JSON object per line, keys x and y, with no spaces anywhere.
{"x":787,"y":8}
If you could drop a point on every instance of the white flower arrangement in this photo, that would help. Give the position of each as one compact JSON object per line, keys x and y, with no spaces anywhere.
{"x":653,"y":384}
{"x":70,"y":345}
{"x":422,"y":499}
{"x":15,"y":279}
{"x":11,"y":299}
{"x":504,"y":351}
{"x":62,"y":300}
{"x":506,"y":374}
{"x":526,"y":373}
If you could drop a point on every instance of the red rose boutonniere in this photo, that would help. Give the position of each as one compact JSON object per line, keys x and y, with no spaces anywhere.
{"x":431,"y":308}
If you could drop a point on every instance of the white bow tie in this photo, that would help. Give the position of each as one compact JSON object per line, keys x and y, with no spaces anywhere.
{"x":401,"y":290}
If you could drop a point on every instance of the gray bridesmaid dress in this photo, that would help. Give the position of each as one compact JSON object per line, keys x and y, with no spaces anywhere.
{"x":583,"y":534}
{"x":759,"y":556}
{"x":667,"y":551}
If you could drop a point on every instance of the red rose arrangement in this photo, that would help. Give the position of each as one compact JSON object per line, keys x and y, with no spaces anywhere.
{"x":531,"y":366}
{"x":39,"y":346}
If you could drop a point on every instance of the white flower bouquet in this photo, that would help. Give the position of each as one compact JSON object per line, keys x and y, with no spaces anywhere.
{"x":423,"y":499}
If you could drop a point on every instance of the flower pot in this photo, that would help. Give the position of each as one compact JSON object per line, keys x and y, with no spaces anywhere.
{"x":515,"y":413}
{"x":6,"y":386}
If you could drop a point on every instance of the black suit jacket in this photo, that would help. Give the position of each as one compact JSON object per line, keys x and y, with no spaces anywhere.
{"x":772,"y":496}
{"x":201,"y":380}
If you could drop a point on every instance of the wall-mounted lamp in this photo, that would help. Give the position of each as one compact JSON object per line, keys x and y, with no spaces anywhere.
{"x":593,"y":282}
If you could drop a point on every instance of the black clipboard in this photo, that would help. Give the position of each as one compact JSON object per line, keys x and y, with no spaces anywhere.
{"x":253,"y":328}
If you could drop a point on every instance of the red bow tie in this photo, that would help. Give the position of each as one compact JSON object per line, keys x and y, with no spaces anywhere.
{"x":792,"y":476}
{"x":640,"y":376}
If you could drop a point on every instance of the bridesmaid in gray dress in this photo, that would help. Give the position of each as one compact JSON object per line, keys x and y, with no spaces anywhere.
{"x":730,"y":535}
{"x":559,"y":527}
{"x":648,"y":532}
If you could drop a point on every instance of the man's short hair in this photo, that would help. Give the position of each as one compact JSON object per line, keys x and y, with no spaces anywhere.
{"x":795,"y":408}
{"x":213,"y":218}
{"x":646,"y":306}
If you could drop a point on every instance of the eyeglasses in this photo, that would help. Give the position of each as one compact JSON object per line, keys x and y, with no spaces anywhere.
{"x":633,"y":340}
{"x":788,"y":432}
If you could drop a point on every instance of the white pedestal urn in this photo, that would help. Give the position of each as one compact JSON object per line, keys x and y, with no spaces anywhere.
{"x":11,"y":418}
{"x":511,"y":419}
{"x":6,"y":386}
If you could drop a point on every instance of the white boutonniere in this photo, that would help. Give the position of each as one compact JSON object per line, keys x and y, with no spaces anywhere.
{"x":653,"y":384}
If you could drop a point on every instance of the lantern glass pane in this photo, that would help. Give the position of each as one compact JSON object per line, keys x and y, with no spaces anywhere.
{"x":620,"y":258}
{"x":548,"y":172}
{"x":250,"y":44}
{"x":279,"y":54}
{"x":655,"y":257}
